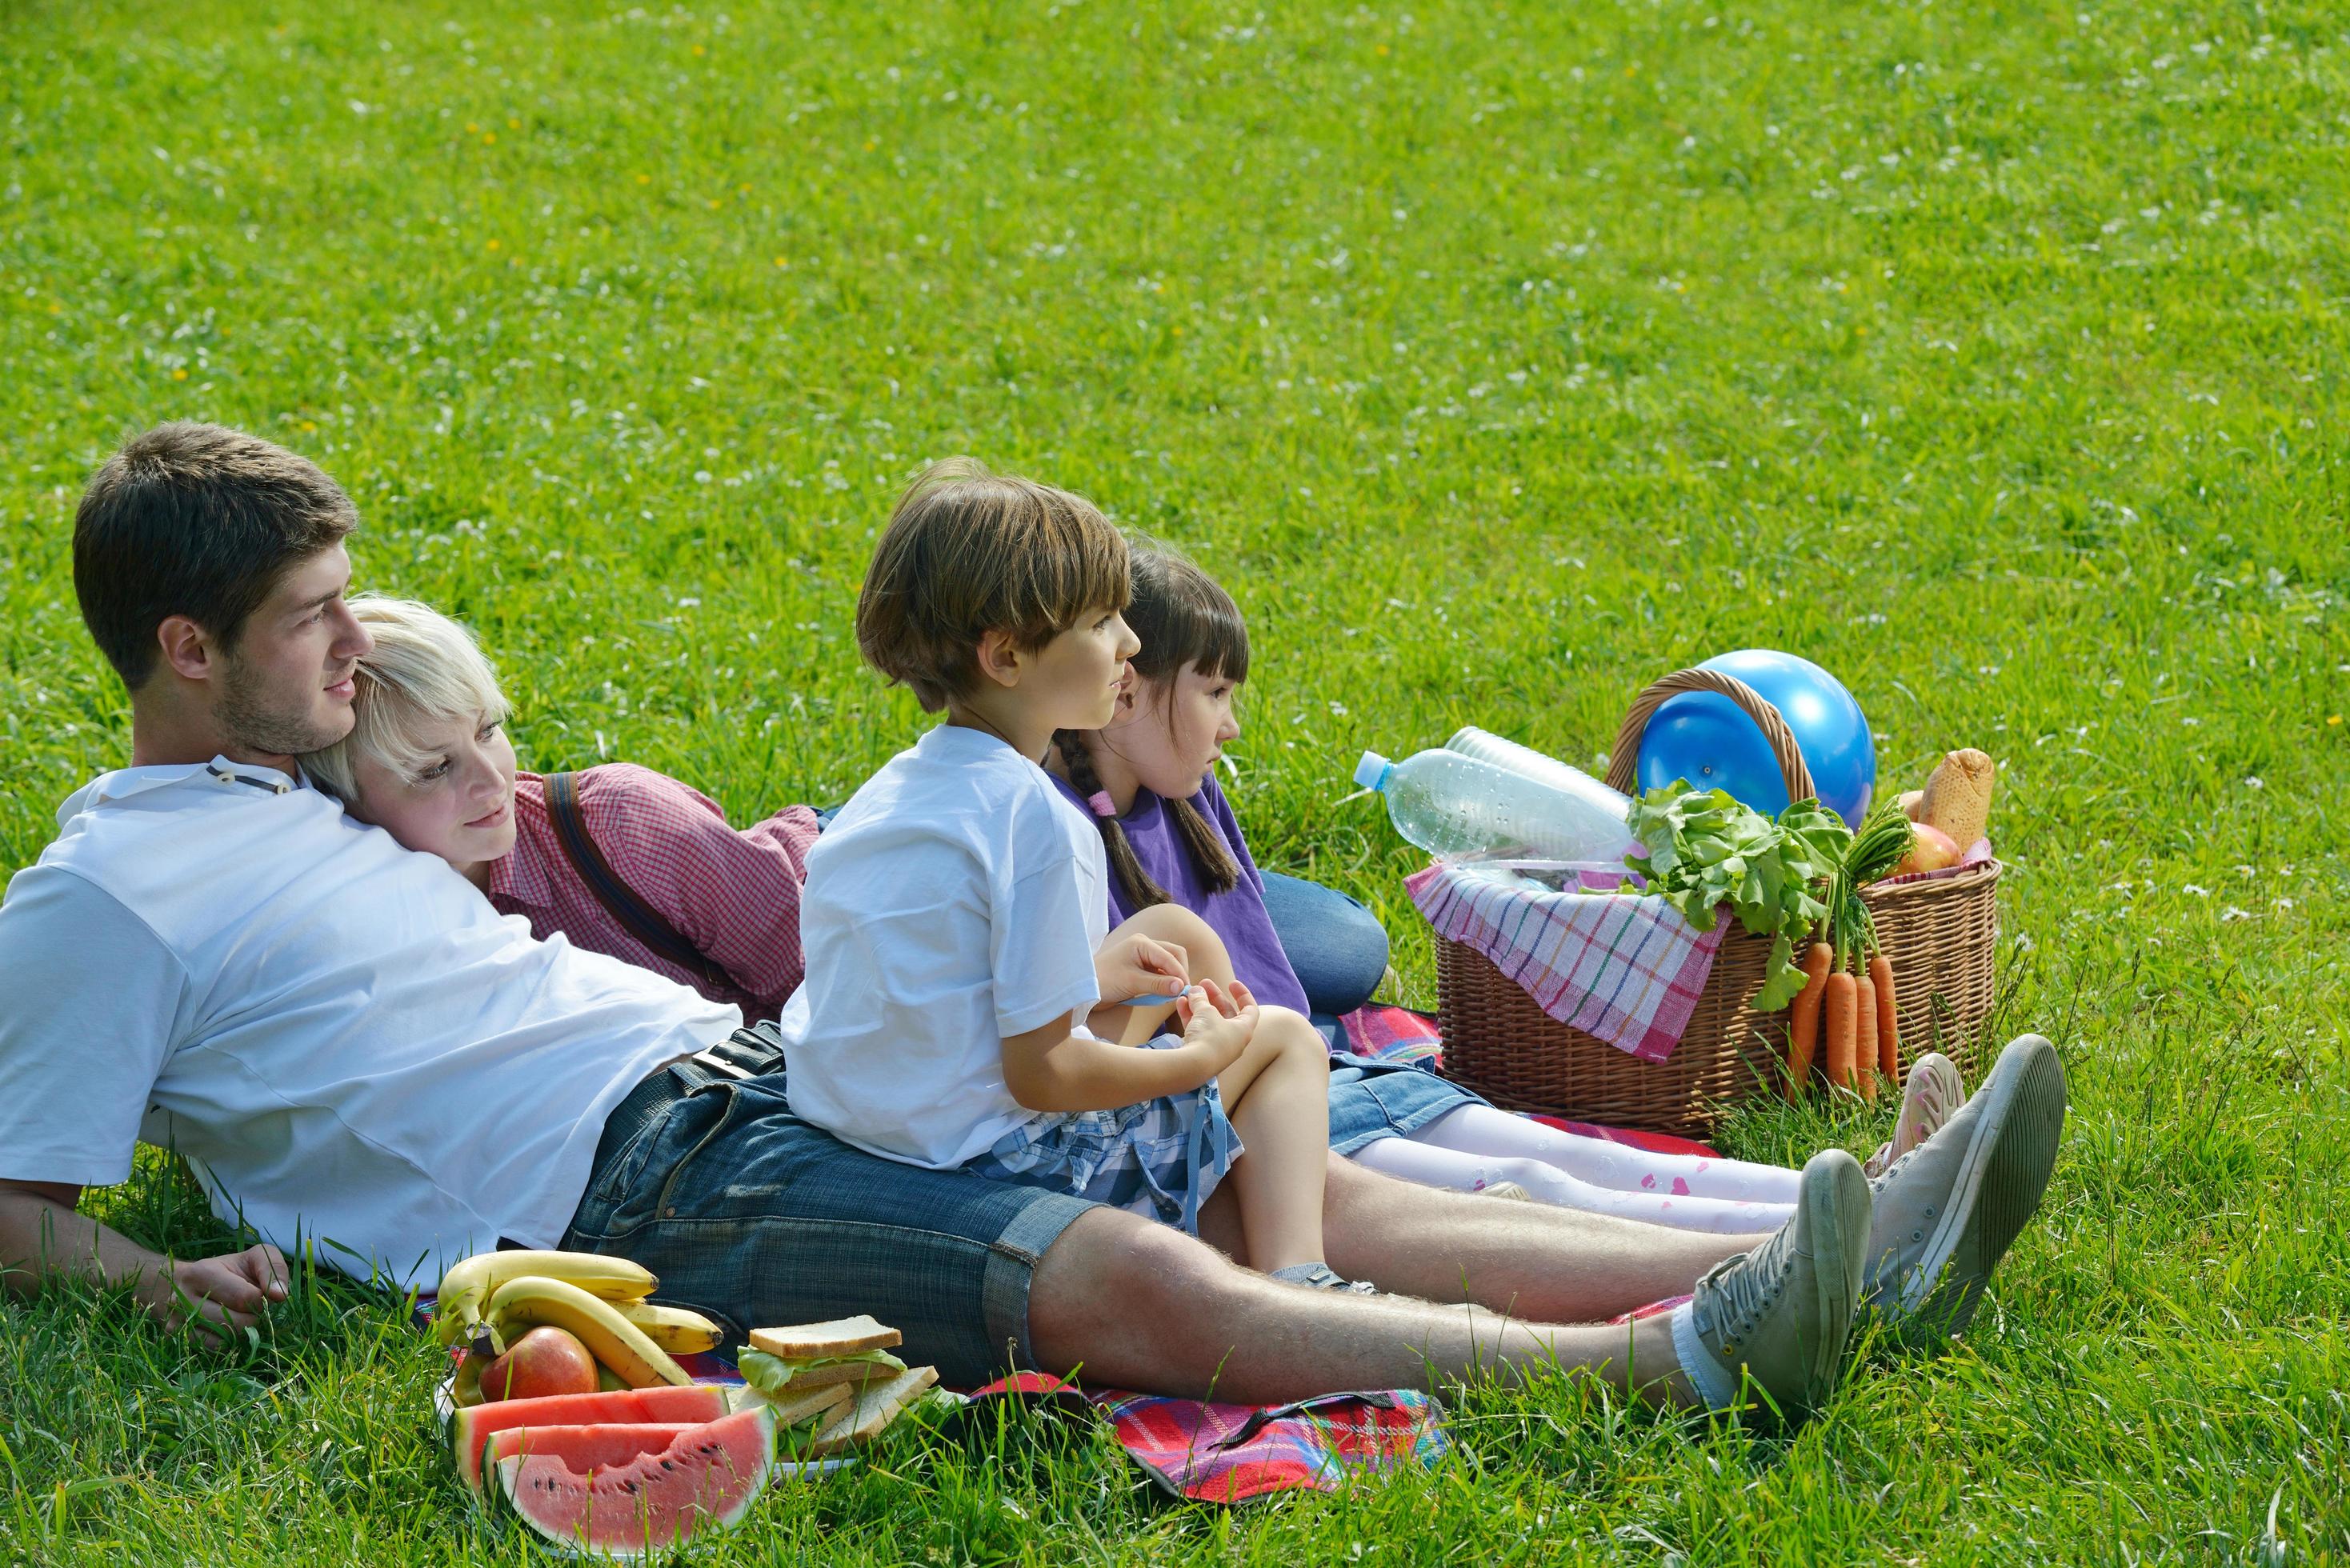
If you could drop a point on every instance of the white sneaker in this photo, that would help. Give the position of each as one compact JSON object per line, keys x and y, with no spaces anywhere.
{"x":1947,"y":1211}
{"x":1782,"y":1310}
{"x":1506,"y":1189}
{"x":1931,"y":1095}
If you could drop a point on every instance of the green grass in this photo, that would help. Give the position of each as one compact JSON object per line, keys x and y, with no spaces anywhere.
{"x":1499,"y":359}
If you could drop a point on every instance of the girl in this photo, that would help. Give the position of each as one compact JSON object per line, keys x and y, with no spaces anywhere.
{"x":1146,"y":778}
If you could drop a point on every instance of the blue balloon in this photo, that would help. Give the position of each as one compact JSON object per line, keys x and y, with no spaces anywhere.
{"x":1707,"y":739}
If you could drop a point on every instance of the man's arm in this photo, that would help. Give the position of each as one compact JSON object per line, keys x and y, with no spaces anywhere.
{"x":42,"y":1237}
{"x":88,"y":995}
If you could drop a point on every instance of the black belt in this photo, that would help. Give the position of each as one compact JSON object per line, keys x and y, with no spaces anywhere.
{"x":751,"y":1052}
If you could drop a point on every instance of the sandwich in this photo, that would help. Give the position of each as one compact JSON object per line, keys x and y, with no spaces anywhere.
{"x":835,"y":1382}
{"x":849,"y":1349}
{"x":876,"y":1405}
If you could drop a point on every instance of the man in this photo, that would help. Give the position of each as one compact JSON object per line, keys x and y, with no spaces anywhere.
{"x":349,"y":1045}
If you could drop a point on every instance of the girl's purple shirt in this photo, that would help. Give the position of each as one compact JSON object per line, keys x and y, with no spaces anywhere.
{"x":1238,"y":917}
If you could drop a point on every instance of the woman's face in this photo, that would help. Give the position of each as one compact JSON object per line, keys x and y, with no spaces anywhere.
{"x":457,"y":803}
{"x":1171,"y":733}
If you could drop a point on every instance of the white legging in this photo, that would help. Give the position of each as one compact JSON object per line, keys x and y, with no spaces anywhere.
{"x":1477,"y":1147}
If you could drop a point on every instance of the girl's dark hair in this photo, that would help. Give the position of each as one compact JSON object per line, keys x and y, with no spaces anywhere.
{"x":1183,"y":618}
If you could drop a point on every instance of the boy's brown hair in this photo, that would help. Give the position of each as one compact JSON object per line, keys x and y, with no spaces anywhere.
{"x":195,"y":520}
{"x":968,"y":552}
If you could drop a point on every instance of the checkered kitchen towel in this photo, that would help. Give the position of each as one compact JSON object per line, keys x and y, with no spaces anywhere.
{"x":1626,"y":968}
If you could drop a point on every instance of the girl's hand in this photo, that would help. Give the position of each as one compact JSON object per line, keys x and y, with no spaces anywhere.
{"x":1138,"y":965}
{"x":1221,"y":1024}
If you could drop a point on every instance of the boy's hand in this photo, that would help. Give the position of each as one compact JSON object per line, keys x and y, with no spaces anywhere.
{"x":1221,"y":1024}
{"x":1138,"y":965}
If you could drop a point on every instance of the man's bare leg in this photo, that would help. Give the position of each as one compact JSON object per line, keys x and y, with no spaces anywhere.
{"x":1134,"y":1304}
{"x":1530,"y":1260}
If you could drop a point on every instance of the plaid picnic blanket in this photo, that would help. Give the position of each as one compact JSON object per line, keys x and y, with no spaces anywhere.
{"x":1400,"y":1034}
{"x":1626,"y":968}
{"x":1204,"y":1451}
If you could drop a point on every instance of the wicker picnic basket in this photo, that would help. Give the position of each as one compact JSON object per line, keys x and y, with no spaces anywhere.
{"x":1939,"y":933}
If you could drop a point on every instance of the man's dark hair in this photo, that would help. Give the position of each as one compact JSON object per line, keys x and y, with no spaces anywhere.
{"x":194,"y":520}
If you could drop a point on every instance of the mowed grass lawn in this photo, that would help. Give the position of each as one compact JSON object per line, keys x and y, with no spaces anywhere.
{"x":1500,"y":359}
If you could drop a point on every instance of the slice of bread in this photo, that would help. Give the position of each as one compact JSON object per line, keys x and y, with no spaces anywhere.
{"x":797,"y":1405}
{"x":841,"y":1336}
{"x":877,"y":1405}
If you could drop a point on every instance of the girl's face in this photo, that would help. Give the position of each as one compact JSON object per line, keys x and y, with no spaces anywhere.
{"x":1171,"y":732}
{"x":1075,"y":680}
{"x":458,"y":803}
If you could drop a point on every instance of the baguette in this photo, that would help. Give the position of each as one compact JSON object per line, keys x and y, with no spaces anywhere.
{"x":1957,"y":796}
{"x":841,"y":1336}
{"x":875,"y":1406}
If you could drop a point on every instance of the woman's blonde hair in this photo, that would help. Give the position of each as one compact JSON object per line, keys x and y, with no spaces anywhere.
{"x":424,"y":669}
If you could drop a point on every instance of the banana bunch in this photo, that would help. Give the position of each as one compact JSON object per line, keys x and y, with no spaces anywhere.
{"x":520,"y":1305}
{"x":499,"y":1297}
{"x":466,"y":1289}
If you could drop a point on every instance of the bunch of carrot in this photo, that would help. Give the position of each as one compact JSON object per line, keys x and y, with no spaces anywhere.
{"x":1849,"y":1011}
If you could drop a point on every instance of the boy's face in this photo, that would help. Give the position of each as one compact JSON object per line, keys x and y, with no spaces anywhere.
{"x":1075,"y":679}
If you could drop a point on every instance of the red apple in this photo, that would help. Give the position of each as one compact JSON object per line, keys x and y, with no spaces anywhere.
{"x":544,"y":1361}
{"x":1932,"y":850}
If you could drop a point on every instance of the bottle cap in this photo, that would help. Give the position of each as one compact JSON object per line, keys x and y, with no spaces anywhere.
{"x":1372,"y":771}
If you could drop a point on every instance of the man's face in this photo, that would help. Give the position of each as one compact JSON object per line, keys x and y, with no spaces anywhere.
{"x":287,"y":688}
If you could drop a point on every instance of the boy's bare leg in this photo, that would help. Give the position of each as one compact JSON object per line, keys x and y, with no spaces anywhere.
{"x":1278,"y":1096}
{"x":1133,"y":1305}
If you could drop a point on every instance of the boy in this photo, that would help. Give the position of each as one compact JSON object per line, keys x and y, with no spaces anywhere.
{"x":965,"y":1005}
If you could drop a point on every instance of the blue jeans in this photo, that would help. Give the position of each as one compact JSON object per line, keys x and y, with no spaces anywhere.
{"x":1339,"y":947}
{"x":759,"y":1219}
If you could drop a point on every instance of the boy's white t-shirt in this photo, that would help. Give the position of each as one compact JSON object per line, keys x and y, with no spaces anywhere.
{"x":956,"y":899}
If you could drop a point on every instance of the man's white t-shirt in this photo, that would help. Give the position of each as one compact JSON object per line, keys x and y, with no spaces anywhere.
{"x":341,"y":1036}
{"x":956,"y":899}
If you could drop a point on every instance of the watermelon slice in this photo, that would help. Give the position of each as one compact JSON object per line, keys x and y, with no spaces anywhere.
{"x":585,"y":1448}
{"x":707,"y":1479}
{"x":471,"y":1428}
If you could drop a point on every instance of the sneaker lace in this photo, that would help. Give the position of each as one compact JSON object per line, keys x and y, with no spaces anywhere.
{"x":1737,"y":1292}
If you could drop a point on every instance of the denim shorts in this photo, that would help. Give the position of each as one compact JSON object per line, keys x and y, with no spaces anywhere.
{"x":1370,"y":1100}
{"x":760,"y":1220}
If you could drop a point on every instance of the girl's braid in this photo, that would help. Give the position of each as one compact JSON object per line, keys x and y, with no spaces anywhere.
{"x":1136,"y":883}
{"x":1214,"y":858}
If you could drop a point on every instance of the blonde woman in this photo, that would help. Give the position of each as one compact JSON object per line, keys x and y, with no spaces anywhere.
{"x":618,"y":858}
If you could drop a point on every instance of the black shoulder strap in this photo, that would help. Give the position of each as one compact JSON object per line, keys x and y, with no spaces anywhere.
{"x":636,"y":917}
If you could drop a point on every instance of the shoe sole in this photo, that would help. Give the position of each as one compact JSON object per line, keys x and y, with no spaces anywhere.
{"x":1836,"y":1235}
{"x":2006,"y":1170}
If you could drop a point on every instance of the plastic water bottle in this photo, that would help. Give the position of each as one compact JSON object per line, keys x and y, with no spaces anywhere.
{"x":1486,"y":746}
{"x":1453,"y":806}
